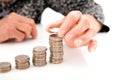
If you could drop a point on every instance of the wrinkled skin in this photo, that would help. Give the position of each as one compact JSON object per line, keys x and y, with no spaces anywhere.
{"x":17,"y":27}
{"x":78,"y":30}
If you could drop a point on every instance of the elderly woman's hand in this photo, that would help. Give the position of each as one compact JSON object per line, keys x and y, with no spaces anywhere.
{"x":17,"y":27}
{"x":78,"y":29}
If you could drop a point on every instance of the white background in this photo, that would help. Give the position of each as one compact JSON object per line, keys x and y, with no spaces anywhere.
{"x":78,"y":64}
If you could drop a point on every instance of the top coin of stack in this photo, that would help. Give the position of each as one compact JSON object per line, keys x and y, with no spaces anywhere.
{"x":5,"y":67}
{"x":56,"y":49}
{"x":39,"y":56}
{"x":22,"y":62}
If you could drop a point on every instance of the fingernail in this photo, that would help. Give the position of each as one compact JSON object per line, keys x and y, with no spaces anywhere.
{"x":93,"y":48}
{"x":77,"y":43}
{"x":61,"y":33}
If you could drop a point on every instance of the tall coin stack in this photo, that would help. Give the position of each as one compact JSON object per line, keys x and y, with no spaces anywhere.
{"x":56,"y":49}
{"x":22,"y":62}
{"x":39,"y":56}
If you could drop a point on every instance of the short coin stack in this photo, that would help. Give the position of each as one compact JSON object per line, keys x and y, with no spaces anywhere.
{"x":22,"y":62}
{"x":56,"y":49}
{"x":5,"y":67}
{"x":39,"y":56}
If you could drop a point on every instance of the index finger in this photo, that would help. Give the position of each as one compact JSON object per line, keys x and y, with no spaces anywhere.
{"x":56,"y":24}
{"x":70,"y":21}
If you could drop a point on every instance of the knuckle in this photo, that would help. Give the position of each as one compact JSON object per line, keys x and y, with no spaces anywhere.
{"x":85,"y":20}
{"x":12,"y":13}
{"x":85,"y":23}
{"x":75,"y":15}
{"x":11,"y":16}
{"x":27,"y":27}
{"x":32,"y":22}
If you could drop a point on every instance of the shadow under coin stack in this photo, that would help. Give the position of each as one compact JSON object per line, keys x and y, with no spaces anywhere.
{"x":56,"y":49}
{"x":22,"y":62}
{"x":39,"y":56}
{"x":5,"y":67}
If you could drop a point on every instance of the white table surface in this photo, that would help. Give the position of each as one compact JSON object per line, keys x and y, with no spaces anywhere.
{"x":78,"y":64}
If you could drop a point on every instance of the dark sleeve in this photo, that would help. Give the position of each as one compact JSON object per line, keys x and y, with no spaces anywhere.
{"x":96,"y":10}
{"x":29,"y":8}
{"x":85,"y":6}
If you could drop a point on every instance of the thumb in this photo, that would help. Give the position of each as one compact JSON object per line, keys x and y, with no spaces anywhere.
{"x":56,"y":24}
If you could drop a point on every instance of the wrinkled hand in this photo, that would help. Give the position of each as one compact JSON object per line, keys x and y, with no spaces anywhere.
{"x":17,"y":27}
{"x":78,"y":29}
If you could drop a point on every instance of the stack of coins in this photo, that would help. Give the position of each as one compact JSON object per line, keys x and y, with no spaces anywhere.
{"x":5,"y":67}
{"x":22,"y":62}
{"x":56,"y":49}
{"x":39,"y":56}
